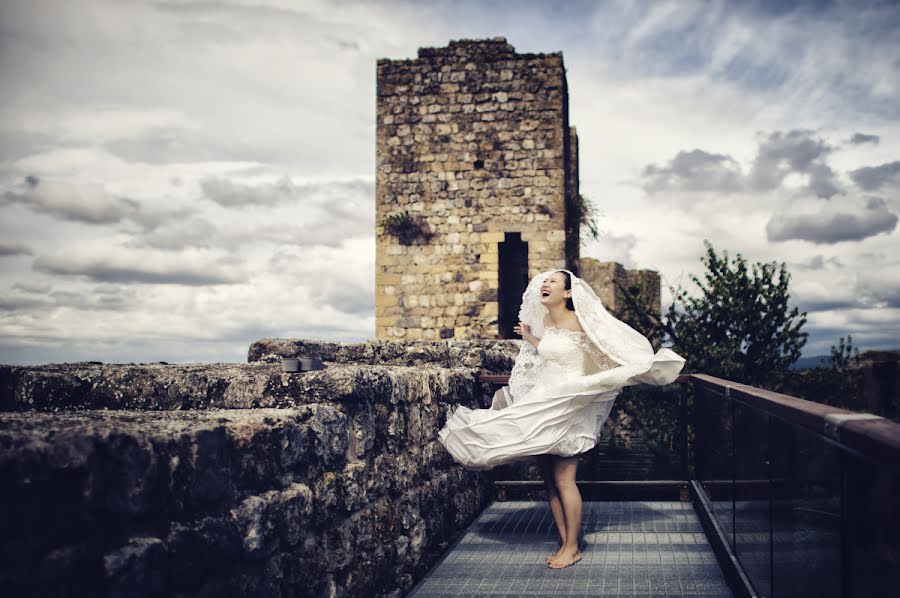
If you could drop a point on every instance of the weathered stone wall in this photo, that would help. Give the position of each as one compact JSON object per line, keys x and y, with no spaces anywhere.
{"x":603,"y":276}
{"x":473,"y":141}
{"x":488,"y":355}
{"x":573,"y":189}
{"x":233,"y":480}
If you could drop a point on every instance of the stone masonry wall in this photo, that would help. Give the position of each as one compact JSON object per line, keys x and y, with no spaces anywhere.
{"x":573,"y":189}
{"x":472,"y":143}
{"x":603,"y":276}
{"x":235,"y":480}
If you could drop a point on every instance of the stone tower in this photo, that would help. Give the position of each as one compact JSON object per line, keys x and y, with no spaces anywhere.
{"x":477,"y":168}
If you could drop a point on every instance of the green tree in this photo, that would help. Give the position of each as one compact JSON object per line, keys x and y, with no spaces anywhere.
{"x":638,"y":311}
{"x":738,"y":324}
{"x":836,"y":382}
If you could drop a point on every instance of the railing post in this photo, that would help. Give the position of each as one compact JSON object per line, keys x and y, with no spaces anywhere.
{"x":733,"y":455}
{"x":685,"y":467}
{"x":698,"y":432}
{"x":770,"y":460}
{"x":846,"y":585}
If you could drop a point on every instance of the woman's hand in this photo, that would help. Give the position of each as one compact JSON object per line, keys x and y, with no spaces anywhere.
{"x":524,"y":330}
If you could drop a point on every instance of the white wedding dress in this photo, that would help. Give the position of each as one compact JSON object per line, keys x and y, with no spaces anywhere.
{"x":559,"y":395}
{"x":548,"y":418}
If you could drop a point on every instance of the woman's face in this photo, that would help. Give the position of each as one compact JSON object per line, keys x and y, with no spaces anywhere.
{"x":553,"y":290}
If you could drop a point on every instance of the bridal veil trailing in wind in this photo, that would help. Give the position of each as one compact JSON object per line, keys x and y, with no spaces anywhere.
{"x":560,"y":393}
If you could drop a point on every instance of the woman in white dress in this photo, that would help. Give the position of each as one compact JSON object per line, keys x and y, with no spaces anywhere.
{"x":576,"y":360}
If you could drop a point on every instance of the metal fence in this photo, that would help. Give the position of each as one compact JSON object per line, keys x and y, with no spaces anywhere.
{"x":805,"y":497}
{"x":798,"y":498}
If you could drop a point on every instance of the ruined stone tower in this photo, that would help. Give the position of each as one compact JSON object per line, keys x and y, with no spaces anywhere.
{"x":477,"y":168}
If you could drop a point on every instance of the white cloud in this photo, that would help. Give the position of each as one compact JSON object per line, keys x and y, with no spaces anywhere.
{"x":108,"y":263}
{"x":694,"y":170}
{"x":847,"y":219}
{"x":12,"y":249}
{"x":881,"y":287}
{"x":859,"y":138}
{"x":90,"y":204}
{"x":872,"y":178}
{"x":780,"y":157}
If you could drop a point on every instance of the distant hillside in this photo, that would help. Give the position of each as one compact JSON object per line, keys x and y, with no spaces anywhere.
{"x":805,"y":363}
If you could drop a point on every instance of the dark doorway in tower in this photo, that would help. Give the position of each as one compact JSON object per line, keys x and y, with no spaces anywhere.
{"x":513,"y":274}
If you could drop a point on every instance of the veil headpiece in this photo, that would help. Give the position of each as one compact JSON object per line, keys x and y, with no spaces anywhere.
{"x":620,"y":342}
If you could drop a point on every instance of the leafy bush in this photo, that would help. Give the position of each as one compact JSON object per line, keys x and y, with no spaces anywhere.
{"x":406,"y":228}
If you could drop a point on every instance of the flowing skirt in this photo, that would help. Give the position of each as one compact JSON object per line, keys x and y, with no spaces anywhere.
{"x":563,"y":415}
{"x":565,"y":425}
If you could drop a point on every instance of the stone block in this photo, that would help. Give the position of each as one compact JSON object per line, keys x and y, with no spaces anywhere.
{"x":272,"y":519}
{"x":385,"y":300}
{"x":492,"y":237}
{"x":137,"y":569}
{"x":489,"y":309}
{"x":198,"y":549}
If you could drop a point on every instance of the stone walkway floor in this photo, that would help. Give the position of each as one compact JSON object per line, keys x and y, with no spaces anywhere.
{"x":631,"y":548}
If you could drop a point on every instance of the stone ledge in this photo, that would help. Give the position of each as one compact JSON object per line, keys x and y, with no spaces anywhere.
{"x":493,"y":356}
{"x":80,"y":386}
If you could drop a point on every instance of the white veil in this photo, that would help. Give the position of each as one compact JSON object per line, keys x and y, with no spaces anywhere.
{"x":619,"y":341}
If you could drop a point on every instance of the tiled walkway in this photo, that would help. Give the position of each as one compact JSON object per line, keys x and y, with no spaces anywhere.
{"x":629,"y":548}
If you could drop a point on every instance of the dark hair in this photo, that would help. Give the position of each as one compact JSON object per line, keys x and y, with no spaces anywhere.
{"x":569,"y":305}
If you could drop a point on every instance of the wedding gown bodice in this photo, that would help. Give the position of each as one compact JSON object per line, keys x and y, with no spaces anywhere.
{"x":568,"y":353}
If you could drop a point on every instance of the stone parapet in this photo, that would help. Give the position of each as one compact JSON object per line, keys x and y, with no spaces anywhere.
{"x":491,"y":356}
{"x":146,"y":485}
{"x":217,"y":386}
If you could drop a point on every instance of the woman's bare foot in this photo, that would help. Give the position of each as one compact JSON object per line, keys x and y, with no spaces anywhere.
{"x":559,"y":545}
{"x":565,"y":558}
{"x":555,"y":552}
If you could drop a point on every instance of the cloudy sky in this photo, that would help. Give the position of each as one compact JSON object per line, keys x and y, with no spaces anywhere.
{"x":178,"y":179}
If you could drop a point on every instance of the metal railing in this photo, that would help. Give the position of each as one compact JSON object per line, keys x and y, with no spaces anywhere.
{"x":798,"y":498}
{"x":805,"y":496}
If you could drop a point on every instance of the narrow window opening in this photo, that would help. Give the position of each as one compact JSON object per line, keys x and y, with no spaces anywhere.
{"x":513,"y":278}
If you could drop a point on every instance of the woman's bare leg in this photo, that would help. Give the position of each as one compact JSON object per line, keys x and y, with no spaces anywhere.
{"x":545,"y":462}
{"x":564,"y":470}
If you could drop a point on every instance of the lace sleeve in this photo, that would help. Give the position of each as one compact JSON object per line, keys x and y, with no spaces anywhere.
{"x":604,"y":362}
{"x":525,"y":372}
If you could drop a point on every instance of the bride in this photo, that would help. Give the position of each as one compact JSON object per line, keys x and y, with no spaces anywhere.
{"x":576,"y":360}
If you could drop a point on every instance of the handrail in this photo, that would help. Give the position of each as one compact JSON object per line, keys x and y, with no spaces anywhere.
{"x":494,"y":378}
{"x":864,"y":433}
